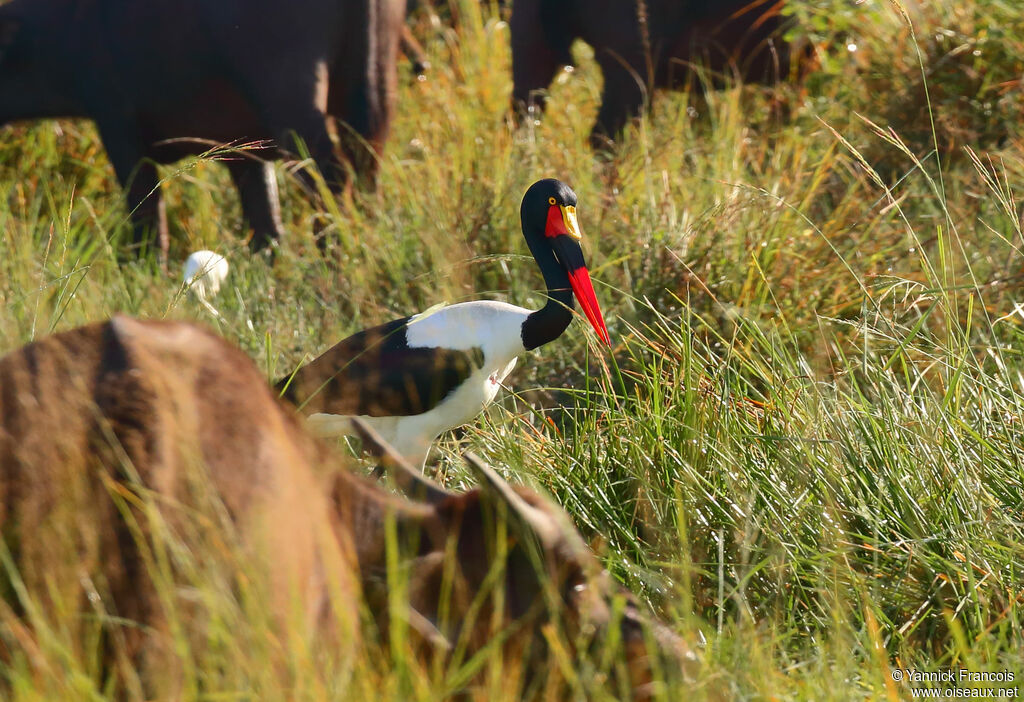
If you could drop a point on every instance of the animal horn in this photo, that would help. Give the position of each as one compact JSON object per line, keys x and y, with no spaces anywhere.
{"x":494,"y":484}
{"x":411,"y":481}
{"x":425,"y":628}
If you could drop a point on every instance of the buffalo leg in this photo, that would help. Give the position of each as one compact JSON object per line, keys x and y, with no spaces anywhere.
{"x":311,"y":130}
{"x":308,"y":128}
{"x":261,"y":207}
{"x":363,"y":87}
{"x":293,"y":103}
{"x":295,"y":112}
{"x":414,"y":52}
{"x":139,"y":178}
{"x":540,"y":46}
{"x":622,"y":98}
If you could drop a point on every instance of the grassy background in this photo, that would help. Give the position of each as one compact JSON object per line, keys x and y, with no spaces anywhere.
{"x":806,"y":445}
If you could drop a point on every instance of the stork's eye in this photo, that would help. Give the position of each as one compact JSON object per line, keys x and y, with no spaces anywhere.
{"x":552,"y":201}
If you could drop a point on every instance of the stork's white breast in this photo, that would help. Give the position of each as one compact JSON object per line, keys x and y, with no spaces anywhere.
{"x":493,"y":327}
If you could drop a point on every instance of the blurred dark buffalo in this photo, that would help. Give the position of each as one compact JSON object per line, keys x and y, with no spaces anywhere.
{"x":644,"y":44}
{"x":165,"y":79}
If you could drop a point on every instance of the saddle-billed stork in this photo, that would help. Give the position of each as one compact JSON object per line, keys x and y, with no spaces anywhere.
{"x":416,"y":377}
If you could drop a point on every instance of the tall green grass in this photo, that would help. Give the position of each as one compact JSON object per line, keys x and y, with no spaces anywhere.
{"x":805,"y":446}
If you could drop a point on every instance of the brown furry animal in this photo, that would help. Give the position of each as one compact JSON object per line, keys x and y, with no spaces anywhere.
{"x":96,"y":420}
{"x":125,"y":440}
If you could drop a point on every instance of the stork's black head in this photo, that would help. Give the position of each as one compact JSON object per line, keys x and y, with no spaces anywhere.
{"x":552,"y":231}
{"x":544,"y":194}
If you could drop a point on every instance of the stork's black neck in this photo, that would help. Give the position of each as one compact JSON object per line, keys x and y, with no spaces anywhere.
{"x":548,"y":323}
